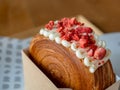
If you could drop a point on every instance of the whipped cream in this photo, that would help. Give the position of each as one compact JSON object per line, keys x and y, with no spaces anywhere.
{"x":65,"y":43}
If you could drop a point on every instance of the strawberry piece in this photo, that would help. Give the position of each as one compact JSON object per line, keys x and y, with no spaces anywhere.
{"x":85,"y":29}
{"x":99,"y":53}
{"x":90,"y":52}
{"x":73,"y":21}
{"x":78,"y":29}
{"x":66,"y":30}
{"x":50,"y":25}
{"x":75,"y":37}
{"x":83,"y":43}
{"x":91,"y":42}
{"x":62,"y":34}
{"x":65,"y":22}
{"x":59,"y":24}
{"x":93,"y":47}
{"x":91,"y":37}
{"x":85,"y":37}
{"x":60,"y":29}
{"x":88,"y":30}
{"x":65,"y":37}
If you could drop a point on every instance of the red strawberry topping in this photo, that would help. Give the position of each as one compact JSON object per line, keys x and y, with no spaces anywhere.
{"x":90,"y":52}
{"x":85,"y":29}
{"x":72,"y":30}
{"x":75,"y":37}
{"x":83,"y":43}
{"x":99,"y":53}
{"x":50,"y":25}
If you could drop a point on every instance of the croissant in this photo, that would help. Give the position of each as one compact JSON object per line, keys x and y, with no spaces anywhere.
{"x":65,"y":69}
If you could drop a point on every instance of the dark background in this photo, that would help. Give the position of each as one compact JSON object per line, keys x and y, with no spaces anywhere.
{"x":20,"y":15}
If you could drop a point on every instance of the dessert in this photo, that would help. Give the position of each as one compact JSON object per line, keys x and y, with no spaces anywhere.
{"x":72,"y":56}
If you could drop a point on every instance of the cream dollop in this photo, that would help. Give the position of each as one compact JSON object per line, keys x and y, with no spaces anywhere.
{"x":87,"y":61}
{"x":65,"y":43}
{"x":73,"y":46}
{"x":96,"y":37}
{"x":79,"y":54}
{"x":104,"y":44}
{"x":41,"y":31}
{"x":46,"y":33}
{"x":52,"y":36}
{"x":92,"y":69}
{"x":58,"y":40}
{"x":101,"y":43}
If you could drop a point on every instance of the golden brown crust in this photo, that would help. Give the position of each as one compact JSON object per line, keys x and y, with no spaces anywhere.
{"x":63,"y":67}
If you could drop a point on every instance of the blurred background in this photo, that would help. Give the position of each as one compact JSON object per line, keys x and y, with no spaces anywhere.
{"x":22,"y":19}
{"x":21,"y":15}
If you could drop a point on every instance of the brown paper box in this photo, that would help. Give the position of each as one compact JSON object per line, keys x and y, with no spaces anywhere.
{"x":34,"y":78}
{"x":115,"y":86}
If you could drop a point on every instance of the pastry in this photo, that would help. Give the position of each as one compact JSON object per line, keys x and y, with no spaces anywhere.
{"x":72,"y":56}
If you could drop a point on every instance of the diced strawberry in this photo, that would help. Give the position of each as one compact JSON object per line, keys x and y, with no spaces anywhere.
{"x":88,"y":30}
{"x":65,"y":38}
{"x":91,"y":37}
{"x":59,"y":29}
{"x":84,"y":29}
{"x":65,"y":22}
{"x":91,"y":42}
{"x":99,"y":53}
{"x":93,"y":47}
{"x":59,"y":24}
{"x":62,"y":34}
{"x":50,"y":25}
{"x":65,"y":19}
{"x":90,"y":52}
{"x":73,"y":21}
{"x":85,"y":37}
{"x":78,"y":29}
{"x":75,"y":37}
{"x":83,"y":43}
{"x":66,"y":30}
